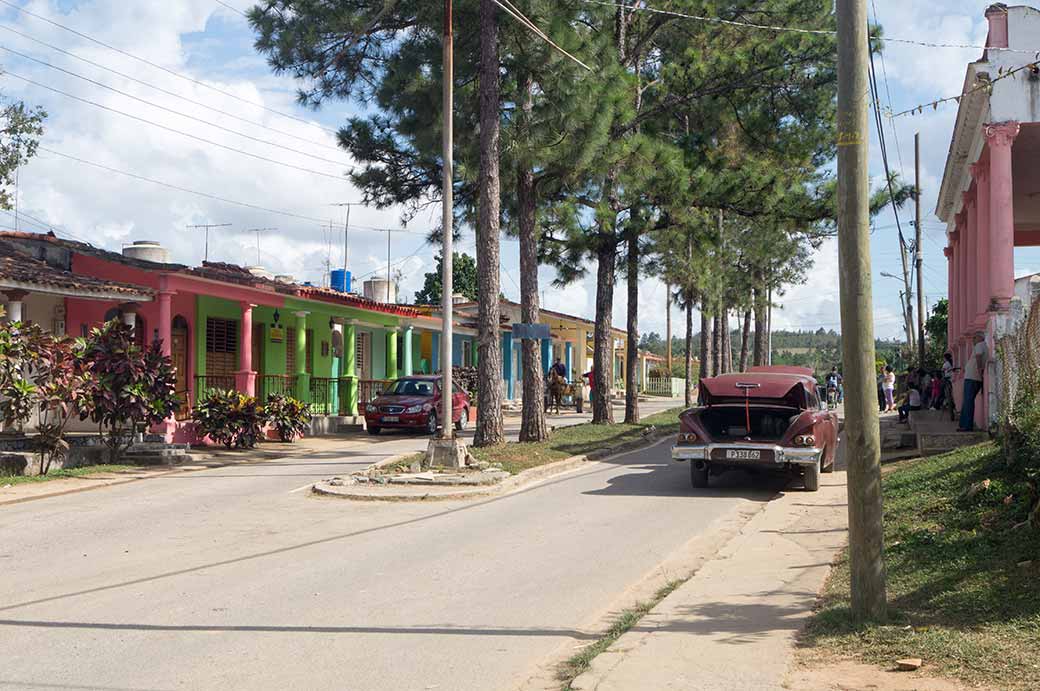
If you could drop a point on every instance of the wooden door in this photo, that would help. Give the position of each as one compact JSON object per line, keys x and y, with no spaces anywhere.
{"x":258,"y":349}
{"x":179,"y":357}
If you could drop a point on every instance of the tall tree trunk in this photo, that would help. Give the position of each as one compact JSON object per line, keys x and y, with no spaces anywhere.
{"x":489,"y":429}
{"x":727,"y":342}
{"x":745,"y":336}
{"x":707,"y":341}
{"x":716,"y":344}
{"x":532,"y":421}
{"x":603,"y":338}
{"x":632,"y":327}
{"x":761,"y":331}
{"x":689,"y":354}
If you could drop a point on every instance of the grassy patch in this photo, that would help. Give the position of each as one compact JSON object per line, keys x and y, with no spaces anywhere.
{"x":958,"y":597}
{"x":576,"y":665}
{"x":63,"y":473}
{"x":573,"y":441}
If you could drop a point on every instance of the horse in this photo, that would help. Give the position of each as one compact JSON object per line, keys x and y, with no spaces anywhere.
{"x":555,"y":386}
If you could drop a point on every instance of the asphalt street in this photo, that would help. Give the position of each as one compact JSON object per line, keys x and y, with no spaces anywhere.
{"x":238,"y":578}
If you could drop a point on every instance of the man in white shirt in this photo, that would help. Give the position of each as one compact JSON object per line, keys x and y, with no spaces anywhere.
{"x":973,"y":372}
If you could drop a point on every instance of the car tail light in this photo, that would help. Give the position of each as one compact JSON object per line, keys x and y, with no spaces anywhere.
{"x":688,"y":438}
{"x":805,"y":440}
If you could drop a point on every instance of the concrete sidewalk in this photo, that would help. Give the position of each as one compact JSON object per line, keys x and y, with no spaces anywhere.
{"x":732,"y":626}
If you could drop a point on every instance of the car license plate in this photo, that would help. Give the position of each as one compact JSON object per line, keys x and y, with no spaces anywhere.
{"x":391,"y":418}
{"x":743,"y":454}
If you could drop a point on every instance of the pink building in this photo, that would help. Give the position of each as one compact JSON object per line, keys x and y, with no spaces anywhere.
{"x":990,"y":194}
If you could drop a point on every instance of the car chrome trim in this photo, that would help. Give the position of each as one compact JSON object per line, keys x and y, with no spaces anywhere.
{"x":781,"y":454}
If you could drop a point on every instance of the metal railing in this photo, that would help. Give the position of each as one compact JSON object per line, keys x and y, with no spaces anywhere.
{"x":205,"y":384}
{"x":368,"y":389}
{"x":658,"y":386}
{"x":324,"y":395}
{"x":280,"y":384}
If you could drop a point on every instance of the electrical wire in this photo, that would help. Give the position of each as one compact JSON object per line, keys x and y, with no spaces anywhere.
{"x":519,"y":16}
{"x":888,"y":95}
{"x":207,"y":195}
{"x":169,"y":110}
{"x":797,"y":30}
{"x":167,"y":92}
{"x":189,"y":135}
{"x":984,"y":84}
{"x":231,"y":7}
{"x":160,"y":67}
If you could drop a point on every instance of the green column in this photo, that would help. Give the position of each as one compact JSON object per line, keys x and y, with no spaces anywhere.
{"x":348,"y":369}
{"x":303,"y":380}
{"x":391,"y":354}
{"x":408,"y":345}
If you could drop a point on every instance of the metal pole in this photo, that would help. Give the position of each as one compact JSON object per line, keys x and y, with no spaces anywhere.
{"x":388,"y":279}
{"x":920,"y":255}
{"x":448,"y":226}
{"x":346,"y":241}
{"x":668,"y":324}
{"x":861,"y":435}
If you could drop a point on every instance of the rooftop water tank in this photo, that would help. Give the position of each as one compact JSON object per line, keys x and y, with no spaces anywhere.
{"x":381,"y":290}
{"x":147,"y":250}
{"x":341,"y":280}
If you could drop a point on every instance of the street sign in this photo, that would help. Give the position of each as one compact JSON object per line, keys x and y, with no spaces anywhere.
{"x":534,"y":332}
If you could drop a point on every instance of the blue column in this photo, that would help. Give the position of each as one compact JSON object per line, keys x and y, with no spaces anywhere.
{"x":435,"y":352}
{"x":547,"y":362}
{"x":568,"y":356}
{"x":507,"y":363}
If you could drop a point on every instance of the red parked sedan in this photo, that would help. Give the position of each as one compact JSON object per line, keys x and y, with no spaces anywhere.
{"x":414,"y":403}
{"x":765,"y":418}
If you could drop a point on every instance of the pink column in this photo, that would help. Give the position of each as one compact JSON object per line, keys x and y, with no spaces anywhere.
{"x":999,"y":138}
{"x":961,"y":287}
{"x":165,"y":321}
{"x":245,"y":378}
{"x":980,"y":171}
{"x":948,"y":252}
{"x":971,"y":277}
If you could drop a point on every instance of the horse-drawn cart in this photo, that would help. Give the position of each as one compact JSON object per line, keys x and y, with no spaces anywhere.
{"x":559,"y":392}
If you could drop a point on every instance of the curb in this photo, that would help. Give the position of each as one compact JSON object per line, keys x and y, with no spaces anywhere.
{"x":510,"y":484}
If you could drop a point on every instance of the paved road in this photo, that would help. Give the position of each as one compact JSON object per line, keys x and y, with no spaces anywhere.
{"x":228,"y":579}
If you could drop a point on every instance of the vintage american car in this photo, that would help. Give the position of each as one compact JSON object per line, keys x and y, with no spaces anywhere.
{"x":765,"y":418}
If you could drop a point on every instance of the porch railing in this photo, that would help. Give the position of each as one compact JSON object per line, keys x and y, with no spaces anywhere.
{"x":324,"y":395}
{"x":368,"y":389}
{"x":204,"y":384}
{"x":280,"y":384}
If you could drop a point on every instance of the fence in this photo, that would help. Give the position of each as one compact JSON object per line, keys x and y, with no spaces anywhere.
{"x":1017,"y":361}
{"x":205,"y":384}
{"x":670,"y":387}
{"x":324,"y":396}
{"x":280,"y":384}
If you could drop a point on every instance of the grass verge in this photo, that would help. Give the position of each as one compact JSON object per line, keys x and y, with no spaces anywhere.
{"x":573,"y":441}
{"x":963,"y":580}
{"x":577,"y":664}
{"x":64,"y":473}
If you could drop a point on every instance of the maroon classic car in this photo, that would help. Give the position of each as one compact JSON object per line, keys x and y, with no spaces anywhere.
{"x":414,"y":402}
{"x":766,"y":418}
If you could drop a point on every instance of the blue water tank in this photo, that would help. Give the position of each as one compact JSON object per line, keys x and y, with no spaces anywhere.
{"x":341,"y":280}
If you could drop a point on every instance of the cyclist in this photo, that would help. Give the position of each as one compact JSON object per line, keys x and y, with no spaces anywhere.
{"x":833,"y":386}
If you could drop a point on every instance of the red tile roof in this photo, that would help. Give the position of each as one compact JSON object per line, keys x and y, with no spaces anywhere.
{"x":356,"y":301}
{"x":22,"y":269}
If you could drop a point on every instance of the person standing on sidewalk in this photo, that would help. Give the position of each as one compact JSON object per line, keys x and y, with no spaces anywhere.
{"x":973,"y":372}
{"x":888,"y":383}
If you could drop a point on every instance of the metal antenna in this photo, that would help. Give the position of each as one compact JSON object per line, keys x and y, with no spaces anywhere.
{"x":258,"y":231}
{"x":346,"y":232}
{"x":207,"y":226}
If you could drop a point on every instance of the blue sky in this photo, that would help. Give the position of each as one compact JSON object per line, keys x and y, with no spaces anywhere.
{"x":213,"y":45}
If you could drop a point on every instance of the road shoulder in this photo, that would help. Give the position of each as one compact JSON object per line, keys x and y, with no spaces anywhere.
{"x":733,"y":624}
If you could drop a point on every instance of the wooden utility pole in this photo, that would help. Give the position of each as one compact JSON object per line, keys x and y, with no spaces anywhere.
{"x":917,"y":249}
{"x":862,"y":435}
{"x":668,"y":326}
{"x":447,"y":225}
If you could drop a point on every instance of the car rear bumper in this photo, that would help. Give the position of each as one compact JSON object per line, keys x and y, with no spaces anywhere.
{"x":781,"y":454}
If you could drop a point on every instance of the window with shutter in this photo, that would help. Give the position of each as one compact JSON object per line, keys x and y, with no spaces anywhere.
{"x":361,"y":354}
{"x":290,"y":350}
{"x":221,"y":347}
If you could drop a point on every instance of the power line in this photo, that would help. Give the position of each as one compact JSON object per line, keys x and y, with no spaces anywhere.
{"x":168,"y":110}
{"x":519,"y":16}
{"x":255,"y":207}
{"x":1034,"y":67}
{"x":174,"y":94}
{"x":888,"y":95}
{"x":174,"y":130}
{"x":164,"y":69}
{"x":797,"y":30}
{"x":232,"y":8}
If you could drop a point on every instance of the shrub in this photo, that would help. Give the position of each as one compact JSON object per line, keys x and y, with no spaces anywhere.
{"x":229,"y":418}
{"x":1020,"y":438}
{"x":288,"y":416}
{"x":130,"y":387}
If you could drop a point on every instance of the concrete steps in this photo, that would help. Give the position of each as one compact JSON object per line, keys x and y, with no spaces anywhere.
{"x":157,"y":453}
{"x":937,"y":434}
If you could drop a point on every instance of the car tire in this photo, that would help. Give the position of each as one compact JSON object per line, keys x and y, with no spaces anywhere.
{"x":431,"y":424}
{"x":463,"y":420}
{"x":699,"y":476}
{"x":829,"y":468}
{"x":373,"y":430}
{"x":811,"y":478}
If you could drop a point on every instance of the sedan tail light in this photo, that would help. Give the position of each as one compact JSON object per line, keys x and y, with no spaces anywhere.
{"x":688,"y":438}
{"x":804,"y":440}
